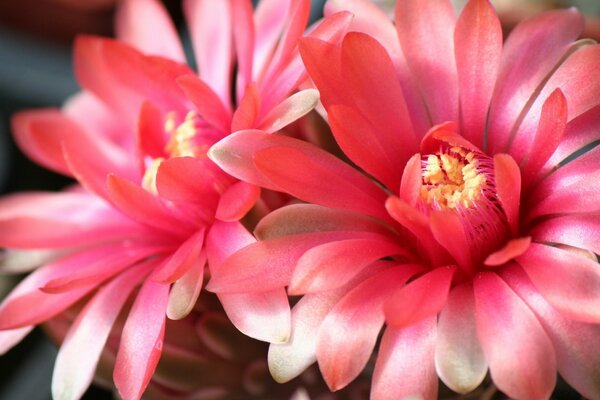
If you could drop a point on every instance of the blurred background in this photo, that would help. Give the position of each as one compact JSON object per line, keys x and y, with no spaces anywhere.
{"x":35,"y":71}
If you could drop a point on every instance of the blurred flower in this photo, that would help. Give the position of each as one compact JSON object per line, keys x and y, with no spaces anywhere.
{"x":149,"y":207}
{"x":468,"y":220}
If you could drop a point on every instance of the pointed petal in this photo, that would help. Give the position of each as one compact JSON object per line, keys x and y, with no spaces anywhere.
{"x":513,"y":248}
{"x":150,"y":134}
{"x":410,"y":185}
{"x":528,"y":370}
{"x":404,"y":367}
{"x":349,"y":332}
{"x":425,"y":31}
{"x":508,"y":187}
{"x":141,"y":340}
{"x":459,"y":359}
{"x":236,"y":201}
{"x":206,"y":101}
{"x":569,"y":282}
{"x":242,"y":16}
{"x":448,"y":230}
{"x":147,"y":26}
{"x":212,"y":39}
{"x":289,"y":110}
{"x":185,"y":291}
{"x":246,"y":114}
{"x":80,"y":352}
{"x":183,"y":259}
{"x":420,"y":299}
{"x":9,"y":338}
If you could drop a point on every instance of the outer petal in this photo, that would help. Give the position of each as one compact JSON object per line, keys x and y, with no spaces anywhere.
{"x":185,"y":291}
{"x":9,"y":338}
{"x":348,"y":334}
{"x":425,"y":31}
{"x":185,"y":257}
{"x":581,"y":231}
{"x":80,"y":352}
{"x":147,"y":26}
{"x":577,"y":345}
{"x":512,"y":249}
{"x":569,"y":282}
{"x":459,"y":359}
{"x":478,"y":45}
{"x":528,"y":369}
{"x":289,"y":110}
{"x":236,"y":201}
{"x":141,"y":341}
{"x":211,"y":29}
{"x":405,"y":366}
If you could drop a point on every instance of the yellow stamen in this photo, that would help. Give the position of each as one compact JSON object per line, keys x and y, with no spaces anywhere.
{"x":452,"y":179}
{"x":149,"y":179}
{"x":181,"y":143}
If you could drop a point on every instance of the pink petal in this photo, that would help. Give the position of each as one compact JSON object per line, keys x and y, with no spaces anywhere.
{"x":208,"y":104}
{"x":581,"y":231}
{"x":141,"y":341}
{"x":185,"y":291}
{"x":512,"y":249}
{"x":80,"y":351}
{"x":478,"y":45}
{"x":243,"y":35}
{"x":459,"y":359}
{"x":223,"y":239}
{"x":410,"y":185}
{"x":183,"y":259}
{"x":150,"y":134}
{"x":447,"y":228}
{"x":349,"y":332}
{"x":374,"y":87}
{"x":577,"y":345}
{"x":237,"y":201}
{"x":508,"y":187}
{"x":263,"y":316}
{"x":9,"y":338}
{"x":333,"y":264}
{"x":520,"y":355}
{"x":212,"y":39}
{"x":270,"y":19}
{"x":425,"y":31}
{"x":304,"y":218}
{"x":551,"y":128}
{"x":316,"y":176}
{"x":246,"y":114}
{"x":267,"y":265}
{"x":294,"y":107}
{"x":530,"y":53}
{"x":147,"y":26}
{"x":420,"y":299}
{"x":569,"y":282}
{"x":141,"y":205}
{"x":404,"y":366}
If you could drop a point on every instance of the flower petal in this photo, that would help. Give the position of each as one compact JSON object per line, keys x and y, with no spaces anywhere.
{"x":459,"y":359}
{"x":182,"y":260}
{"x":236,"y":201}
{"x":186,"y":289}
{"x":528,"y":370}
{"x":10,"y":337}
{"x":141,"y":340}
{"x":512,"y":249}
{"x":581,"y":231}
{"x":508,"y":187}
{"x":206,"y":101}
{"x":289,"y":110}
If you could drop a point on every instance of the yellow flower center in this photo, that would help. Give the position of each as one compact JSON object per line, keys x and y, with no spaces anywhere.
{"x":452,"y":180}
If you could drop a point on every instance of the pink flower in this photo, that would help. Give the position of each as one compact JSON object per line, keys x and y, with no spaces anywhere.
{"x":150,"y":208}
{"x":468,"y":222}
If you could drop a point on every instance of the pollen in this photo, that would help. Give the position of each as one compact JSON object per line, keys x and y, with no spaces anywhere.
{"x":182,"y":141}
{"x":451,"y":179}
{"x":149,"y":178}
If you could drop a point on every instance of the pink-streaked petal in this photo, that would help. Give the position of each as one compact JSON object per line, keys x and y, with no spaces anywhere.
{"x":9,"y":338}
{"x":420,"y":299}
{"x":244,"y":39}
{"x":582,"y":231}
{"x":263,"y":316}
{"x":530,"y":53}
{"x":333,"y":264}
{"x":304,"y":218}
{"x":208,"y":104}
{"x":212,"y":39}
{"x":288,"y":111}
{"x":267,"y":265}
{"x":459,"y":359}
{"x":146,"y":25}
{"x":478,"y":46}
{"x":447,"y":228}
{"x":508,"y":187}
{"x":141,"y":205}
{"x":528,"y":370}
{"x":269,"y":19}
{"x":80,"y":352}
{"x":512,"y":249}
{"x":371,"y":78}
{"x":236,"y":201}
{"x":141,"y":340}
{"x":183,"y":259}
{"x":185,"y":291}
{"x":405,"y":364}
{"x":426,"y":35}
{"x":569,"y":282}
{"x":551,"y":128}
{"x":316,"y":176}
{"x":577,"y":345}
{"x":246,"y":114}
{"x":349,"y":332}
{"x":573,"y":194}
